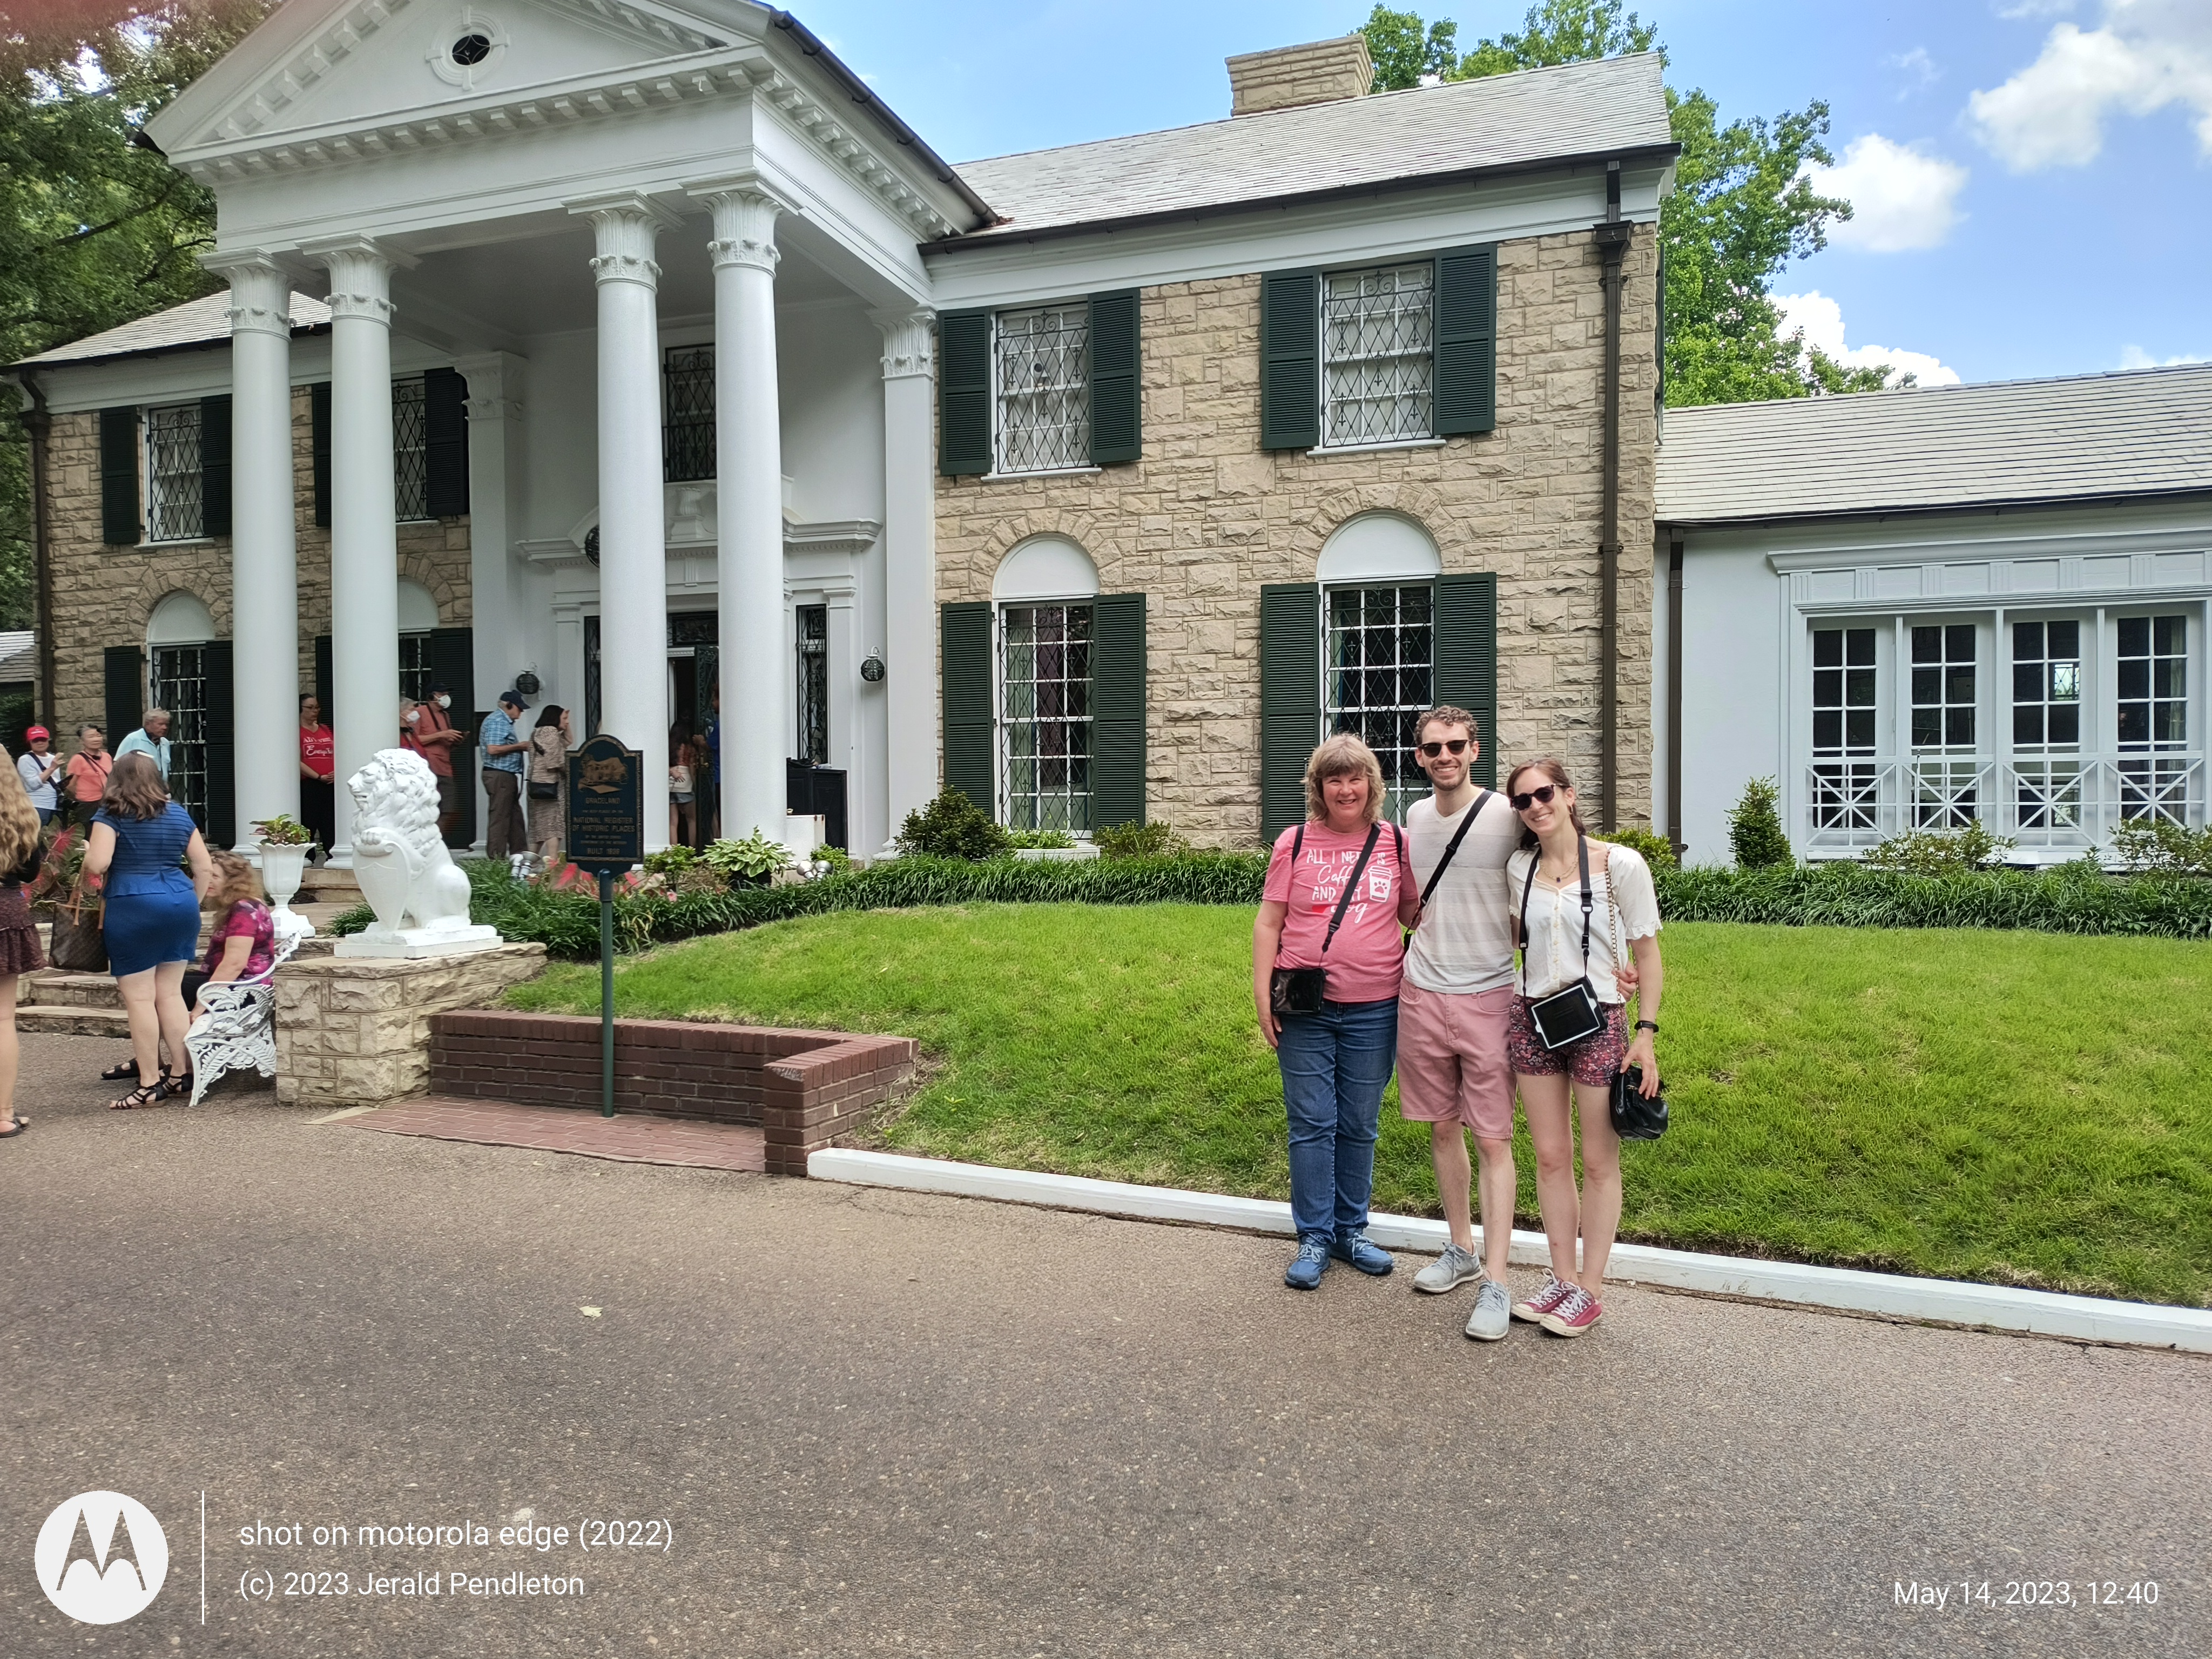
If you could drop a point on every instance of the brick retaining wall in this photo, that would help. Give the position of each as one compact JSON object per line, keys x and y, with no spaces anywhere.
{"x":803,"y":1088}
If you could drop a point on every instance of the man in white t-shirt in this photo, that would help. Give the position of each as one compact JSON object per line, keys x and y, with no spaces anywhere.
{"x":1453,"y":1072}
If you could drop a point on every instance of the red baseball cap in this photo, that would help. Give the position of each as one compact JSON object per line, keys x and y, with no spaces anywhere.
{"x":35,"y":734}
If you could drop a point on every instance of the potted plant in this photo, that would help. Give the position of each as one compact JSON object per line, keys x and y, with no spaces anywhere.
{"x":285,"y":843}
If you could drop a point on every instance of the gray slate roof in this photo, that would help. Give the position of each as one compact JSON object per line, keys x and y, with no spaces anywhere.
{"x":2148,"y":432}
{"x":1500,"y":121}
{"x":19,"y":656}
{"x":202,"y":322}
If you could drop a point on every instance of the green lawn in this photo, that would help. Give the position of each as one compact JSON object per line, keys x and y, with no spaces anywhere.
{"x":2025,"y":1108}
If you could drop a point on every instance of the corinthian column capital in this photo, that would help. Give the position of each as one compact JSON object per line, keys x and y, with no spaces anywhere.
{"x":909,"y":343}
{"x":627,"y":227}
{"x":260,"y":293}
{"x":745,"y":213}
{"x":361,"y":276}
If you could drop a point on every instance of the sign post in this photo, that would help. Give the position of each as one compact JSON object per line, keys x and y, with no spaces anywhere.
{"x":606,"y":836}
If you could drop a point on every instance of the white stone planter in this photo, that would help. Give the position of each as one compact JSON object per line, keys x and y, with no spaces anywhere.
{"x":282,"y":868}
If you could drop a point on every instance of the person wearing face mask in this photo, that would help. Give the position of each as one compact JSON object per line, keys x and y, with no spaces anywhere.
{"x":433,"y":735}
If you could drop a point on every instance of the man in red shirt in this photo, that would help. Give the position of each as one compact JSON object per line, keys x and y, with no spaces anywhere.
{"x":431,"y":734}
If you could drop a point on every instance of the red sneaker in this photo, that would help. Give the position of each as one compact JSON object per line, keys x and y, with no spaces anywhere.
{"x":1576,"y":1312}
{"x":1534,"y":1307}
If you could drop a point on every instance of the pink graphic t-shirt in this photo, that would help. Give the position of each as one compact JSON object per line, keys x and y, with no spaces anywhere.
{"x":1365,"y":962}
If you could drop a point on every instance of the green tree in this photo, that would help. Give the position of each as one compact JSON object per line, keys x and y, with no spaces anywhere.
{"x":94,"y":229}
{"x":1741,"y":209}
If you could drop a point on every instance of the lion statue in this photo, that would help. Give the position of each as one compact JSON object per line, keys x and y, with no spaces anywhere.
{"x":402,"y":866}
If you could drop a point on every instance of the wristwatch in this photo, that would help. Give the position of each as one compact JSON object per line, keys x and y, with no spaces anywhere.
{"x":1650,"y":1025}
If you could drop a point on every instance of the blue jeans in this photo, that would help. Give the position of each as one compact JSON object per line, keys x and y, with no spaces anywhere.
{"x":1335,"y":1065}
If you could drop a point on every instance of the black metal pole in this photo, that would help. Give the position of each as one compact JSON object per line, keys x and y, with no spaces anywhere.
{"x":606,"y":994}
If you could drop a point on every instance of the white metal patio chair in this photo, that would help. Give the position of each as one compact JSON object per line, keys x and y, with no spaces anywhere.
{"x":239,"y":1028}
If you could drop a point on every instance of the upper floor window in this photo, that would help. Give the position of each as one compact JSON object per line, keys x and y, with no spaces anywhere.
{"x":174,"y":498}
{"x":688,"y":397}
{"x":411,"y":449}
{"x":1040,"y":362}
{"x":1378,"y":351}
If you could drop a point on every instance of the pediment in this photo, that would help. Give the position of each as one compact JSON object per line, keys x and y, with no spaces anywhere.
{"x":326,"y":66}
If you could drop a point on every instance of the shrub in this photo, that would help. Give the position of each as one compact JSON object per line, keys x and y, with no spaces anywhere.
{"x":1026,"y":839}
{"x":839,"y":860}
{"x":670,"y":861}
{"x":1658,"y":851}
{"x":1152,"y":840}
{"x":1755,"y":832}
{"x":951,"y":827}
{"x":1940,"y":853}
{"x":2160,"y":847}
{"x":2073,"y":898}
{"x":750,"y":862}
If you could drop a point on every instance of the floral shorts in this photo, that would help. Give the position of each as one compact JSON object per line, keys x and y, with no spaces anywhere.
{"x":1595,"y":1061}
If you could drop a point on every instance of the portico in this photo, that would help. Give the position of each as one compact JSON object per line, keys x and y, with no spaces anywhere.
{"x":558,"y":217}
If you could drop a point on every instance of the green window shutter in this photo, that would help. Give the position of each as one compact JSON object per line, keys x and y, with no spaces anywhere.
{"x":1117,"y":710}
{"x":1466,"y":340}
{"x":124,"y":672}
{"x":1116,"y":382}
{"x":1466,"y":641}
{"x":446,"y":442}
{"x":968,"y":724}
{"x":453,"y":663}
{"x":119,"y":524}
{"x":963,"y":394}
{"x":323,"y":676}
{"x":219,"y":823}
{"x":319,"y":417}
{"x":1290,"y":360}
{"x":215,"y":466}
{"x":1290,"y":700}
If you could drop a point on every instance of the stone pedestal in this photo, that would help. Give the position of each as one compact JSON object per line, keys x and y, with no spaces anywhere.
{"x":356,"y":1032}
{"x":377,"y":940}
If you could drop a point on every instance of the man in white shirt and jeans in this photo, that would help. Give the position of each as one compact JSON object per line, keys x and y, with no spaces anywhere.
{"x":1453,"y":1072}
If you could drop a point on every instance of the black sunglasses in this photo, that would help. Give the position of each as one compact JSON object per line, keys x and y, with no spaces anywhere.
{"x":1522,"y":803}
{"x":1457,"y":745}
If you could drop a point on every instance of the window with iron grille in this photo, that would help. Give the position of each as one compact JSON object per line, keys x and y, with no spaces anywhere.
{"x":173,"y":474}
{"x":414,"y":666}
{"x":1044,"y":725}
{"x":1845,"y":683}
{"x":1378,"y":347}
{"x":180,"y":685}
{"x":1041,"y":362}
{"x":2046,"y":723}
{"x":2154,"y":716}
{"x":688,"y":397}
{"x":813,"y":702}
{"x":411,"y":449}
{"x":1377,"y":672}
{"x":1945,"y":701}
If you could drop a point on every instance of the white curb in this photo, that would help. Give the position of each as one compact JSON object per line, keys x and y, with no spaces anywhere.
{"x":1938,"y":1301}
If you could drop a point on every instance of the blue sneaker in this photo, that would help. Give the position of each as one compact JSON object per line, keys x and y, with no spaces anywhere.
{"x":1312,"y":1263}
{"x":1353,"y":1247}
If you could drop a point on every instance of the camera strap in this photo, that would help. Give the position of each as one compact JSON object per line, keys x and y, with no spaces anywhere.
{"x":1590,"y":901}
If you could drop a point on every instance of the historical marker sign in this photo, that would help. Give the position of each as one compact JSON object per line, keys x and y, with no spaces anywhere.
{"x":606,"y":806}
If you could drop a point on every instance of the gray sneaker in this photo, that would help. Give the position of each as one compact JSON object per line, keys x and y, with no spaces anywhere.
{"x":1449,"y":1271}
{"x":1493,"y":1313}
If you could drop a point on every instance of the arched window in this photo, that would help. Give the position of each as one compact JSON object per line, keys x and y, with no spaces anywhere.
{"x":178,"y":634}
{"x":1043,"y":605}
{"x":1377,"y":577}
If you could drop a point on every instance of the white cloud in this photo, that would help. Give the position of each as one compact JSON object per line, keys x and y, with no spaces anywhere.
{"x":2134,"y":356}
{"x":1821,"y":321}
{"x":2035,"y":9}
{"x":2149,"y":54}
{"x":1917,"y":69}
{"x":1900,"y":199}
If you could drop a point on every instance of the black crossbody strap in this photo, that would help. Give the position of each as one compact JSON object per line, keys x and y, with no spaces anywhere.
{"x":1582,"y":854}
{"x":1352,"y":885}
{"x":1444,"y":863}
{"x":1536,"y":858}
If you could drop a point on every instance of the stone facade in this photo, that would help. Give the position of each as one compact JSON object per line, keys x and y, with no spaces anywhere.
{"x":353,"y":1031}
{"x":1206,"y":517}
{"x":103,"y":595}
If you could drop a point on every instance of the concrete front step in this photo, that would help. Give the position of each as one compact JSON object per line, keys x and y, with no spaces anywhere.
{"x":74,"y":1021}
{"x":327,"y":886}
{"x":57,"y":988}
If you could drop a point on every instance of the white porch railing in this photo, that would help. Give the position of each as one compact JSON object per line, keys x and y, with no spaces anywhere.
{"x":2053,"y":807}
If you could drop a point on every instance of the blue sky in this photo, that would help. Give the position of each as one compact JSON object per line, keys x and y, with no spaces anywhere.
{"x":2032,"y":175}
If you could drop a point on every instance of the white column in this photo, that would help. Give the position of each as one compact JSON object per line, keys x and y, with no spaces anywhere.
{"x":909,"y":560}
{"x":364,"y":516}
{"x":264,"y":583}
{"x":756,"y":667}
{"x":633,"y":537}
{"x":495,"y":481}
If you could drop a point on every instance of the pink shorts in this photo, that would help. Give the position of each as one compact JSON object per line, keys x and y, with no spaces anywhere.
{"x":1453,"y":1067}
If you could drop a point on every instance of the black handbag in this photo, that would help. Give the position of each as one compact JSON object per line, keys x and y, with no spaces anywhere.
{"x":1302,"y":990}
{"x":1565,"y":1016}
{"x":544,"y":791}
{"x":1635,"y":1118}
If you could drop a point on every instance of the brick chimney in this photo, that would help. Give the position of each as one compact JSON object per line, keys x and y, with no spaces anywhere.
{"x":1320,"y":72}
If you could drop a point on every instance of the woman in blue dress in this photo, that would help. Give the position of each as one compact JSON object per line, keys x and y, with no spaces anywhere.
{"x":140,"y":840}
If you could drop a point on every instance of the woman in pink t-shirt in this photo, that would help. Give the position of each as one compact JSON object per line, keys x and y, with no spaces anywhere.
{"x":1337,"y":896}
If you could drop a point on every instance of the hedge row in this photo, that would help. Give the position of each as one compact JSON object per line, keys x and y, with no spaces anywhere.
{"x":2071,"y":900}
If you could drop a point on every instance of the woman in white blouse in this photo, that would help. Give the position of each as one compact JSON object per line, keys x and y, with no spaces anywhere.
{"x":1545,"y":881}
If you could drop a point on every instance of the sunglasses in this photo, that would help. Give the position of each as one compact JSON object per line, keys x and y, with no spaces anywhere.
{"x":1522,"y":803}
{"x":1457,"y":745}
